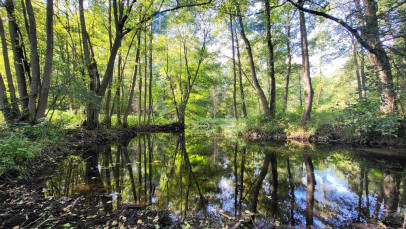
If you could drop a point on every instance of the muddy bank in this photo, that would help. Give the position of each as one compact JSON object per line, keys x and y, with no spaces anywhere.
{"x":82,"y":137}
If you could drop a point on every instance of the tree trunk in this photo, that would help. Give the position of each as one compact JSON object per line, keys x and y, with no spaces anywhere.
{"x":119,"y":90}
{"x":151,"y":37}
{"x":145,"y":75}
{"x":134,"y":80}
{"x":107,"y":117}
{"x":35,"y":84}
{"x":271,"y":62}
{"x":15,"y":111}
{"x":92,"y":109}
{"x":46,"y":78}
{"x":362,"y":72}
{"x":357,"y":70}
{"x":244,"y":108}
{"x":234,"y":71}
{"x":4,"y":105}
{"x":256,"y":84}
{"x":139,"y":96}
{"x":18,"y":54}
{"x":379,"y":59}
{"x":307,"y":83}
{"x":289,"y":69}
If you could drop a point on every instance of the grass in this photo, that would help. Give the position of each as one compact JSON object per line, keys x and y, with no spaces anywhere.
{"x":19,"y":144}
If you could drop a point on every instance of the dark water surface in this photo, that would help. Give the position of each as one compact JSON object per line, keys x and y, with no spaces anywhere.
{"x":284,"y":184}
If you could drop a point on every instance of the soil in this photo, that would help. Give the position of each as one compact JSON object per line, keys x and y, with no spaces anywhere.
{"x":24,"y":205}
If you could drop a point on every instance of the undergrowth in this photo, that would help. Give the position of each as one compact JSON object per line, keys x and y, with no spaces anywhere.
{"x":21,"y":143}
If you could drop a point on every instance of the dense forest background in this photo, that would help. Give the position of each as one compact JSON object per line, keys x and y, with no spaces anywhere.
{"x":294,"y":65}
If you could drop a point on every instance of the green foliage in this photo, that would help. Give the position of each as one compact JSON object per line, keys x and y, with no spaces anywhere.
{"x":14,"y":151}
{"x":367,"y":120}
{"x":22,"y":143}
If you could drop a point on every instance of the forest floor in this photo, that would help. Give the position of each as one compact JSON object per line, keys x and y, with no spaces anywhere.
{"x":23,"y":203}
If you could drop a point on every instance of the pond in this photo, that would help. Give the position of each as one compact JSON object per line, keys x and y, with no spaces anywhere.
{"x":282,"y":183}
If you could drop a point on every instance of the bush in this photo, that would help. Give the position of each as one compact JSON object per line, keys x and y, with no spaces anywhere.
{"x":14,"y":151}
{"x":21,"y":143}
{"x":367,"y":120}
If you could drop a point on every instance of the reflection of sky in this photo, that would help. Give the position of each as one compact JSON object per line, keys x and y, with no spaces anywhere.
{"x":335,"y":203}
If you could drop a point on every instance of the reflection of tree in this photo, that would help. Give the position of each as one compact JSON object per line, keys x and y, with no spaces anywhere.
{"x":291,"y":192}
{"x":96,"y":190}
{"x":360,"y":191}
{"x":311,"y":182}
{"x":236,"y":178}
{"x":391,"y":183}
{"x":379,"y":199}
{"x":129,"y":168}
{"x":241,"y":186}
{"x":274,"y":194}
{"x":258,"y":183}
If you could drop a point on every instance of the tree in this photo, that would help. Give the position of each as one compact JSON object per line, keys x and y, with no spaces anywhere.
{"x":255,"y":82}
{"x":271,"y":61}
{"x":370,"y":40}
{"x":307,"y":82}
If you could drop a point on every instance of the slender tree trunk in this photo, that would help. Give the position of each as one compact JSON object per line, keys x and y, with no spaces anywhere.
{"x":119,"y":90}
{"x":151,"y":37}
{"x":134,"y":80}
{"x":362,"y":72}
{"x":256,"y":84}
{"x":357,"y":73}
{"x":271,"y":62}
{"x":289,"y":69}
{"x":234,"y":71}
{"x":244,"y":108}
{"x":300,"y":90}
{"x":307,"y":83}
{"x":15,"y":111}
{"x":46,"y":78}
{"x":145,"y":74}
{"x":139,"y":97}
{"x":18,"y":54}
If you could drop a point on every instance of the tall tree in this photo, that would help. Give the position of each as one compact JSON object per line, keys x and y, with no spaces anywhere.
{"x":234,"y":70}
{"x":10,"y":83}
{"x":289,"y":54}
{"x":271,"y":61}
{"x":244,"y":108}
{"x":255,"y":82}
{"x":20,"y":62}
{"x":307,"y":82}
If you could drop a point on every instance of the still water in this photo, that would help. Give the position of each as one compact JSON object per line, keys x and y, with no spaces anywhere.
{"x":283,"y":184}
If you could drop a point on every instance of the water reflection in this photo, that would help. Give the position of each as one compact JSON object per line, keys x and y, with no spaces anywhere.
{"x":202,"y":176}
